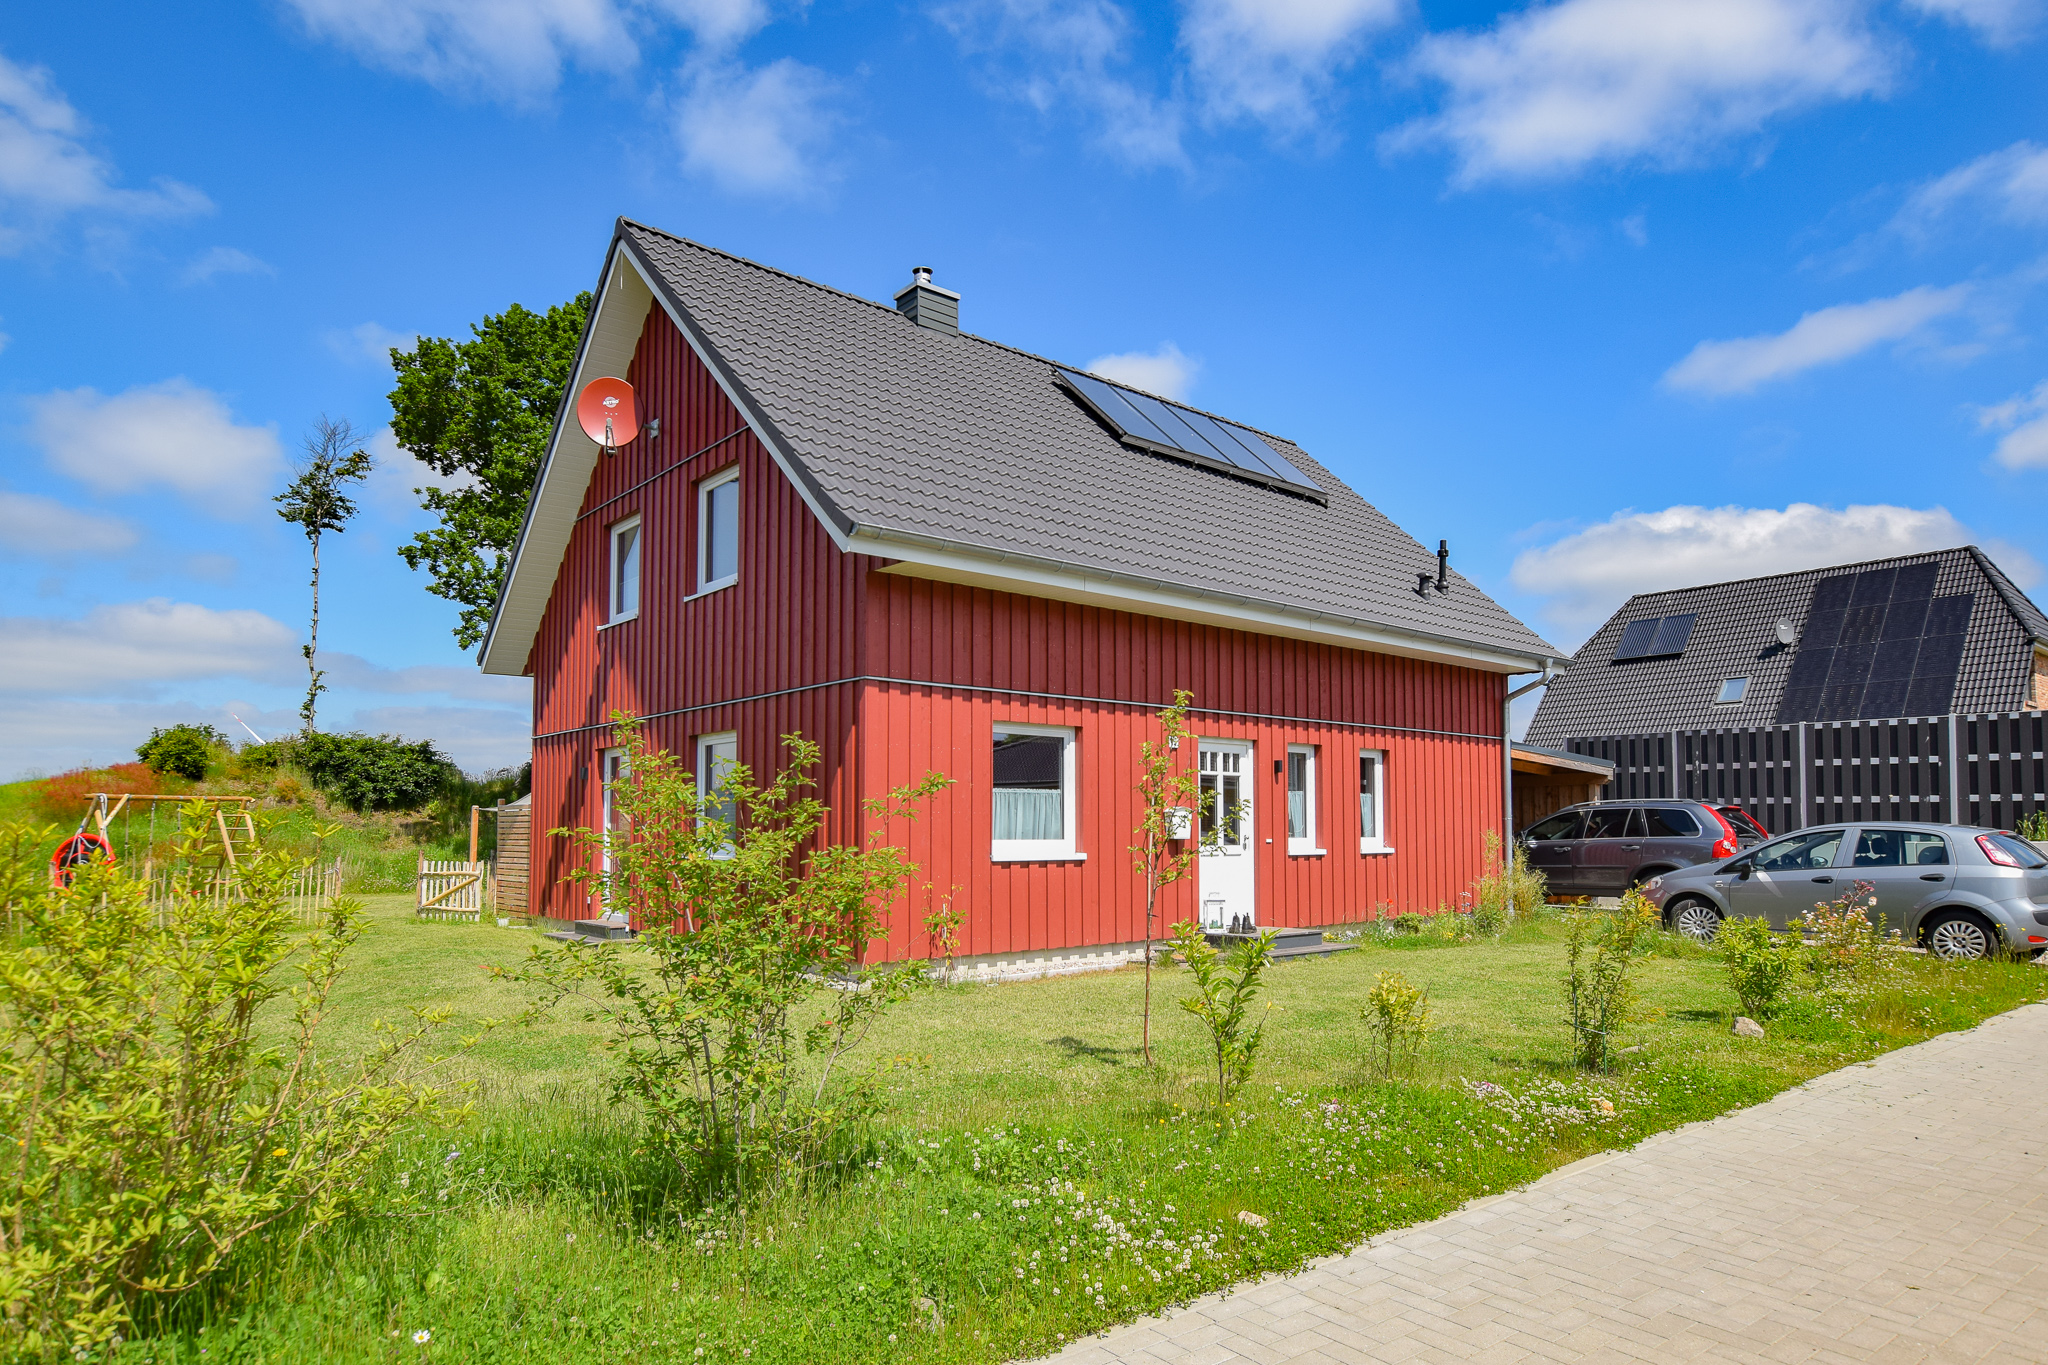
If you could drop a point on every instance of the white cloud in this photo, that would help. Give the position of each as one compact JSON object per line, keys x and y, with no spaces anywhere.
{"x":2024,"y":420}
{"x":1822,"y":337}
{"x":513,"y":49}
{"x":368,"y":341}
{"x":171,"y":434}
{"x":1589,"y":573}
{"x":1998,"y":22}
{"x":129,"y":648}
{"x":1555,"y":88}
{"x":516,"y":49}
{"x":758,"y":131}
{"x":37,"y":527}
{"x":1270,"y":59}
{"x":356,"y":673}
{"x":224,"y":260}
{"x":2012,"y":182}
{"x":1055,"y":55}
{"x":1166,"y":371}
{"x":48,"y":174}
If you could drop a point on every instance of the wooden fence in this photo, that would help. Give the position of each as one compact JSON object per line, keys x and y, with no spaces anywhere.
{"x":453,"y":890}
{"x":1987,"y":769}
{"x":308,"y":897}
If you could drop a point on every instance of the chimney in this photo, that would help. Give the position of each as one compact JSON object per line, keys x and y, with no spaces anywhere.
{"x":927,"y":305}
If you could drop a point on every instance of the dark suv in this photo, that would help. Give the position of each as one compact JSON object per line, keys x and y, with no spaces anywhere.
{"x":1604,"y":847}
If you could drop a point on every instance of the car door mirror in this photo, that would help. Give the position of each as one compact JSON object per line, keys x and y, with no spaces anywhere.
{"x":1744,"y":868}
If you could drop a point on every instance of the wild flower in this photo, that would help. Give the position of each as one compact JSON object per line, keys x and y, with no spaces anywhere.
{"x":422,"y":1337}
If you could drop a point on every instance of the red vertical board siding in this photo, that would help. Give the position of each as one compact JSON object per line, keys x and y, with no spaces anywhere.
{"x":790,"y":622}
{"x":896,"y":676}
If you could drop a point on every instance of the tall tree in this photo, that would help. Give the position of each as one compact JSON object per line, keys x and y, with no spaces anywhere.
{"x":316,"y":504}
{"x":479,"y":412}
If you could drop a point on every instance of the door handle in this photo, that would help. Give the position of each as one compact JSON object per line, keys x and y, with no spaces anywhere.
{"x":1934,"y":876}
{"x":1823,"y":879}
{"x":1631,"y":847}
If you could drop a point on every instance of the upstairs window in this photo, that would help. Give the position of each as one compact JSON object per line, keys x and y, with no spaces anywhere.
{"x":625,"y":571}
{"x":718,"y":531}
{"x":1301,"y":799}
{"x":1033,"y":793}
{"x":1372,"y":820}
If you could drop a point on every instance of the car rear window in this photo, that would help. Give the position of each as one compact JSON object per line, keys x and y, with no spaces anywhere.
{"x":2028,"y":855}
{"x":1672,"y":824}
{"x":1738,"y":817}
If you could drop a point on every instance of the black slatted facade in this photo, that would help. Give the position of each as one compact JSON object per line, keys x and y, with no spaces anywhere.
{"x":1790,"y":776}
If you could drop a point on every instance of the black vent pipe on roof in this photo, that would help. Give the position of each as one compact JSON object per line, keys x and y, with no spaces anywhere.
{"x":1442,"y":582}
{"x":927,"y":305}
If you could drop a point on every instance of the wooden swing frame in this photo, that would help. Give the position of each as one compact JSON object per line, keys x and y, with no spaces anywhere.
{"x":100,"y":812}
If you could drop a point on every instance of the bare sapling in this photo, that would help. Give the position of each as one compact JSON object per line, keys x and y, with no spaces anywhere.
{"x":1171,"y":806}
{"x":315,"y":502}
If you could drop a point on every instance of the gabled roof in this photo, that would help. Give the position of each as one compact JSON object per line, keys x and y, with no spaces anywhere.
{"x":1735,"y":637}
{"x":967,"y":460}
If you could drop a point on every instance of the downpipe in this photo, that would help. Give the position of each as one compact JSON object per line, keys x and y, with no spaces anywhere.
{"x":1551,"y":672}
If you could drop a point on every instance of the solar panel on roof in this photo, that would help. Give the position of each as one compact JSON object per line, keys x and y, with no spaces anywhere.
{"x":1915,"y":581}
{"x":1832,"y":594}
{"x":1950,"y":615}
{"x":1673,"y":633}
{"x":1843,"y":672}
{"x":1636,"y":637}
{"x":1873,"y":587}
{"x":1170,"y":429}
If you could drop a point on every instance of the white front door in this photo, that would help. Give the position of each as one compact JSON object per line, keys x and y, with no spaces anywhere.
{"x":1226,"y":876}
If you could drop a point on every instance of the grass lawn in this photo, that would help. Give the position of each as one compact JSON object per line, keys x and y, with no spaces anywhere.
{"x":1028,"y":1180}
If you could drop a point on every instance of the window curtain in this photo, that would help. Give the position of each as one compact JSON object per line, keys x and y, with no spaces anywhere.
{"x":1297,"y":815}
{"x":1025,"y":813}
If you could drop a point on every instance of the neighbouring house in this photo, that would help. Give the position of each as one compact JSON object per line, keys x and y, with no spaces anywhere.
{"x":1902,"y":688}
{"x":928,"y":551}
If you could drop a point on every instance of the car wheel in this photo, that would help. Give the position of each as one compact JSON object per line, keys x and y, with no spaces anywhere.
{"x":1954,"y":934}
{"x":1696,"y":919}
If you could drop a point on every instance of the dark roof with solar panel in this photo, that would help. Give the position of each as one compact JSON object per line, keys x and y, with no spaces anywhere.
{"x":937,"y":437}
{"x":1918,"y":635}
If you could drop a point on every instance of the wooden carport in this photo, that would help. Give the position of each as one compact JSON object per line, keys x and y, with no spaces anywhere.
{"x":1548,"y":780}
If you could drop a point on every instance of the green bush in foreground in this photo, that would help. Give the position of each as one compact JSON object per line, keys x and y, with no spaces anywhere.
{"x":153,"y":1134}
{"x":1601,"y":993}
{"x":1224,"y":988}
{"x":1397,"y":1015}
{"x":1761,"y":966}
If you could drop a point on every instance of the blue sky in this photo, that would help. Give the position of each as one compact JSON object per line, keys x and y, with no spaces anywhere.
{"x":1614,"y":294}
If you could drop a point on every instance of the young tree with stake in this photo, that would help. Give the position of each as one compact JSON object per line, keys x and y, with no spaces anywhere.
{"x":1172,"y":804}
{"x":315,"y":503}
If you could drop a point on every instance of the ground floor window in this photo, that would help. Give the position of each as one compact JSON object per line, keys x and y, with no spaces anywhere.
{"x":611,"y":771}
{"x":1301,"y":799}
{"x":715,"y":754}
{"x":1372,"y":786}
{"x":1033,"y":792}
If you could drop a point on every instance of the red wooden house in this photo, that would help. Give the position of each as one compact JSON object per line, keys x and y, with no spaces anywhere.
{"x":929,"y":551}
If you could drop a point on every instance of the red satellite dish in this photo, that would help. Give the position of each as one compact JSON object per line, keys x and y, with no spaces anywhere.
{"x":605,"y":411}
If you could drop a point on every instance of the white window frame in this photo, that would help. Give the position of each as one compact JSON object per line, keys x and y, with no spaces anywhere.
{"x":612,"y":766}
{"x":613,"y":615}
{"x":707,"y":780}
{"x":1065,"y":849}
{"x":1309,"y":845}
{"x":705,"y":487}
{"x":1375,"y":842}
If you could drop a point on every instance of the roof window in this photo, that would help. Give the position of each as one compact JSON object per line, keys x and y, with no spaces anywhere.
{"x":1732,"y":690}
{"x":1170,"y":429}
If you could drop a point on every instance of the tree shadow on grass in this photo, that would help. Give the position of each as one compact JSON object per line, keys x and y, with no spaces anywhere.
{"x":1701,"y":1016}
{"x":1079,"y":1048}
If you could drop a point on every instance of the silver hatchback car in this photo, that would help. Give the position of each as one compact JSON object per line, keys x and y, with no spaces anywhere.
{"x":1957,"y":890}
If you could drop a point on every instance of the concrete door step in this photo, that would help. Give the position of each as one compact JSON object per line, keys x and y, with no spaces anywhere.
{"x":606,"y":930}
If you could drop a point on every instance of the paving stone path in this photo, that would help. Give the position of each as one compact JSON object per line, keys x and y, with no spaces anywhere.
{"x":1895,"y":1212}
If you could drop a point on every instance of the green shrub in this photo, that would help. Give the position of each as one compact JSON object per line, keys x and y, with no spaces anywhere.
{"x":153,"y":1134}
{"x":1223,"y":998}
{"x":373,"y":772}
{"x":185,"y":750}
{"x":742,"y":922}
{"x":1760,"y":965}
{"x":1507,"y":891}
{"x":264,"y":758}
{"x":1601,"y":997}
{"x":1848,"y":952}
{"x":1397,"y":1015}
{"x":2033,"y":826}
{"x":1408,"y":922}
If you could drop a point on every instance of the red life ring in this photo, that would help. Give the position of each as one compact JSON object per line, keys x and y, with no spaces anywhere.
{"x":79,"y":848}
